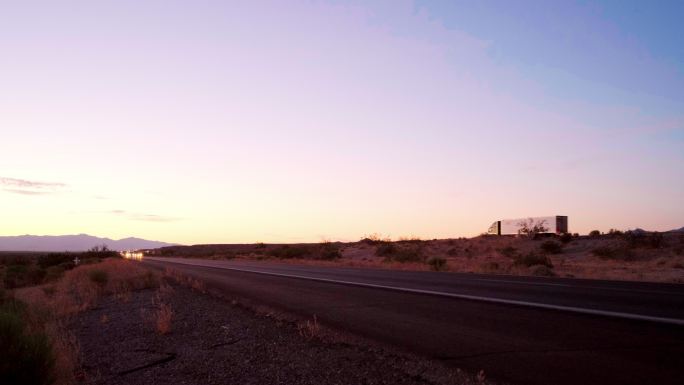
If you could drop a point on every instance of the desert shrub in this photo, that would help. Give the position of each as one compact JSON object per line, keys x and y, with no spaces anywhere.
{"x":27,"y":357}
{"x":385,"y":249}
{"x":66,"y":260}
{"x":15,"y":276}
{"x":615,"y":232}
{"x":100,"y":277}
{"x":89,"y":261}
{"x":437,"y":263}
{"x":259,"y":245}
{"x":565,"y":238}
{"x":100,"y":252}
{"x":407,"y":255}
{"x":532,"y":259}
{"x":608,"y":252}
{"x":399,"y":254}
{"x":542,"y":271}
{"x":36,"y":275}
{"x":604,"y":252}
{"x":489,"y":267}
{"x":54,"y":259}
{"x":7,"y":259}
{"x":642,"y":239}
{"x":374,"y":239}
{"x":551,"y":247}
{"x":410,"y":239}
{"x":509,"y":251}
{"x":452,"y":251}
{"x":594,"y":233}
{"x":289,"y":252}
{"x":53,"y":273}
{"x":329,"y":251}
{"x":23,"y":275}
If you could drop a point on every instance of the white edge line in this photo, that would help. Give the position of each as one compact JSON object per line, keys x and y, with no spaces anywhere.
{"x":573,"y":309}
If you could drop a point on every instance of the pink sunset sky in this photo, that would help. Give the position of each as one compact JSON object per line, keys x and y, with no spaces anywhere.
{"x":208,"y":122}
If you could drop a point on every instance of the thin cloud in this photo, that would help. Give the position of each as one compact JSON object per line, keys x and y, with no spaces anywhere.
{"x":26,"y":192}
{"x":144,"y":217}
{"x":28,"y":187}
{"x":152,"y":218}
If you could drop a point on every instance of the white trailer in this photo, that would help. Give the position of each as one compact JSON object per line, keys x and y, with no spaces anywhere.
{"x":556,"y":224}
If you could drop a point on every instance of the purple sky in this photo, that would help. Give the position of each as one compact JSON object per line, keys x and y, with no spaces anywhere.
{"x":218,"y":121}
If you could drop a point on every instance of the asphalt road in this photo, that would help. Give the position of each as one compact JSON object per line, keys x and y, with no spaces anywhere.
{"x":517,"y":329}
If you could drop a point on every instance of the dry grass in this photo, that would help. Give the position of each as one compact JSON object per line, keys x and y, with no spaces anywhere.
{"x":197,"y":285}
{"x":165,"y":291}
{"x":67,"y":353}
{"x":309,"y":329}
{"x":185,"y":280}
{"x":163,"y":316}
{"x":79,"y":289}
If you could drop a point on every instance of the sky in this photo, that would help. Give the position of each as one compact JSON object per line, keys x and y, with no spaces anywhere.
{"x":301,"y":121}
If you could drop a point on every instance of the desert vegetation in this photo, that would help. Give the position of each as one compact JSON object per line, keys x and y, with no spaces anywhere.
{"x":26,"y":351}
{"x":624,"y":255}
{"x":20,"y":269}
{"x":34,"y":312}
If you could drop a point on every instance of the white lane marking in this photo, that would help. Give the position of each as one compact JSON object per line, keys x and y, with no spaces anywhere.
{"x":573,"y":309}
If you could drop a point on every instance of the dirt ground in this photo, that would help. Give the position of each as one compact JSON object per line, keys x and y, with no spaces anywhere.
{"x":213,"y":341}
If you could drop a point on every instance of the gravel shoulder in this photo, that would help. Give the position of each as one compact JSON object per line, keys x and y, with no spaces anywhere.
{"x":214,"y":341}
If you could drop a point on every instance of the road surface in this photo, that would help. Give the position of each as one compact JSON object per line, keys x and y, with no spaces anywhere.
{"x":521,"y":330}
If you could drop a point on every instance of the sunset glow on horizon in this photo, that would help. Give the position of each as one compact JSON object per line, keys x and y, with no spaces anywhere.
{"x":221,"y":122}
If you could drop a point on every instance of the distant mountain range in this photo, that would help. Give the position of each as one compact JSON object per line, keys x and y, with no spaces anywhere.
{"x":80,"y":242}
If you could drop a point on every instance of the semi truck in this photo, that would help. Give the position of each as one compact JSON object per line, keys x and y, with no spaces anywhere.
{"x":555,"y":224}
